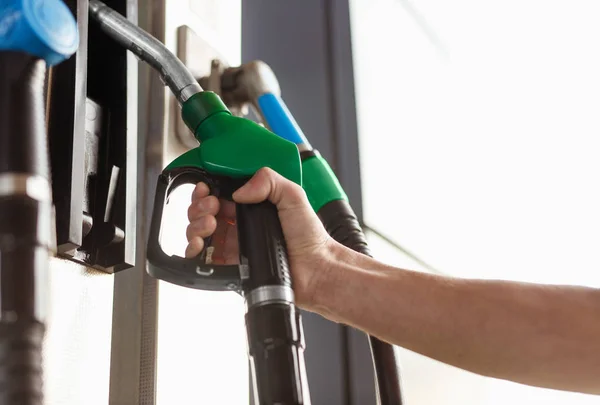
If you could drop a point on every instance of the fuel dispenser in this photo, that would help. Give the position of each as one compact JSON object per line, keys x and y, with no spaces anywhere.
{"x":92,"y":131}
{"x":68,"y":156}
{"x":68,"y":185}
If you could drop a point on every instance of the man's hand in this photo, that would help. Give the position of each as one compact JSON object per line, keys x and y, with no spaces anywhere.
{"x":546,"y":336}
{"x":309,"y":245}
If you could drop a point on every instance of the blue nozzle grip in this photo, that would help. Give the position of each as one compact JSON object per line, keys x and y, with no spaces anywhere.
{"x":279,"y":119}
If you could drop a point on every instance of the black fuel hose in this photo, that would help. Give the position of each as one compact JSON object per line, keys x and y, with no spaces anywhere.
{"x":341,"y":223}
{"x":25,"y":227}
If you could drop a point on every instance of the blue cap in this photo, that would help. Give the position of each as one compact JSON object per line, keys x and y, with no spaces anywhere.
{"x":44,"y":28}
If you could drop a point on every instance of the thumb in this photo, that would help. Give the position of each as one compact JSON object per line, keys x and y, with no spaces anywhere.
{"x":267,"y":184}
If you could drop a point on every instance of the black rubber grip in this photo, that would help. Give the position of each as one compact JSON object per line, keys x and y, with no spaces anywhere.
{"x":262,"y":246}
{"x":21,"y":377}
{"x":276,"y":350}
{"x":23,"y":139}
{"x":274,"y":328}
{"x":341,"y":223}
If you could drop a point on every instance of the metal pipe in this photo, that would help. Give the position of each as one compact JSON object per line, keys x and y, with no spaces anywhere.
{"x":150,"y":50}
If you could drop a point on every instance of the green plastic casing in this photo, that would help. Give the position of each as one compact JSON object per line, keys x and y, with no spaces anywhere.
{"x":320,"y":183}
{"x":233,"y":146}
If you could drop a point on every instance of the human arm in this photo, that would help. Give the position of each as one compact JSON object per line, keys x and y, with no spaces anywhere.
{"x":539,"y":335}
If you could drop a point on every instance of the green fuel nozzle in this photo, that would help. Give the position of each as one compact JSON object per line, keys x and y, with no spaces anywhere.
{"x":229,"y":145}
{"x":233,"y":146}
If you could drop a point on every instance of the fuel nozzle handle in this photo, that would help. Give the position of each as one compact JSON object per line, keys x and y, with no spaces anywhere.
{"x":273,"y":323}
{"x":172,"y":71}
{"x":231,"y":150}
{"x":255,"y":83}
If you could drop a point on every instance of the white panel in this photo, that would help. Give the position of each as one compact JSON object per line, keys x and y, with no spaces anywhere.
{"x":219,"y":24}
{"x":202,"y":353}
{"x":78,"y":339}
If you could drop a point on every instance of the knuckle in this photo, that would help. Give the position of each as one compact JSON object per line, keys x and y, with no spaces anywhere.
{"x":190,"y":211}
{"x":199,"y":189}
{"x":210,"y":202}
{"x":267,"y":171}
{"x":189,"y":232}
{"x":210,"y":223}
{"x":295,"y":190}
{"x":269,"y":174}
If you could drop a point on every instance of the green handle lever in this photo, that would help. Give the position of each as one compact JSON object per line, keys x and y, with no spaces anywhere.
{"x":232,"y":146}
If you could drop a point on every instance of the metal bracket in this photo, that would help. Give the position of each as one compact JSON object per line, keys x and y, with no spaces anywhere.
{"x":92,"y":128}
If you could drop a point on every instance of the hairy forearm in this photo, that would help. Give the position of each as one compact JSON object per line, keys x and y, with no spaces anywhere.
{"x":540,"y":335}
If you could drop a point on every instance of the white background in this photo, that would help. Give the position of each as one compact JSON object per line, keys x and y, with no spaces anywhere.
{"x":478,"y":125}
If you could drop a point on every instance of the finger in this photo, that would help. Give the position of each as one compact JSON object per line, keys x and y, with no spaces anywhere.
{"x":226,"y":210}
{"x":230,"y":249}
{"x":202,"y":227}
{"x":267,"y":184}
{"x":204,"y":206}
{"x":218,"y":242}
{"x":200,"y":191}
{"x":194,"y":247}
